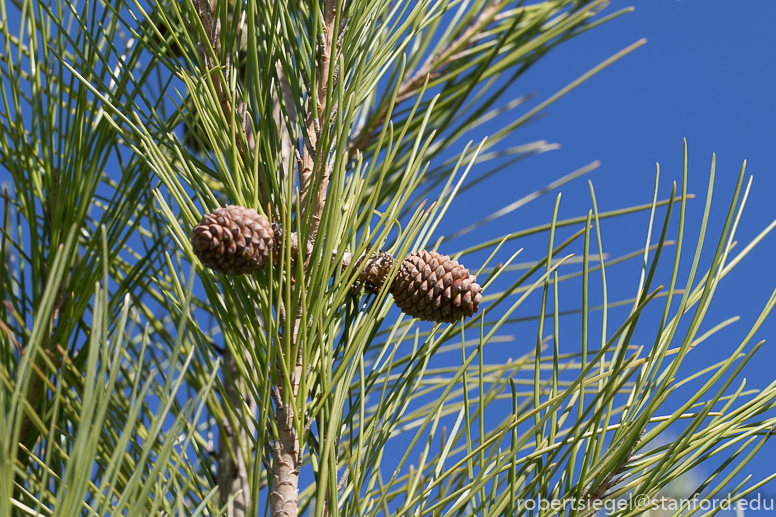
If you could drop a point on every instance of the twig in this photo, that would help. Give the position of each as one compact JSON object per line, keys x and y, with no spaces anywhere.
{"x":612,"y":479}
{"x":29,"y":432}
{"x":286,"y":458}
{"x":343,"y":480}
{"x":232,"y":464}
{"x":371,"y":268}
{"x":430,"y":67}
{"x":308,"y":175}
{"x":209,"y":51}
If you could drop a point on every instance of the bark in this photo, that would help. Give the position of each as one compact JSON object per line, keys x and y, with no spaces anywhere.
{"x":285,"y":468}
{"x":286,"y":452}
{"x":312,"y":201}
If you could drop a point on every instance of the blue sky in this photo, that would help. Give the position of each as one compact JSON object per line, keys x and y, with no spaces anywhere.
{"x":707,"y":74}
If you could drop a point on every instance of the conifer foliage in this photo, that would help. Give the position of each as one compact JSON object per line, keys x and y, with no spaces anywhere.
{"x":230,"y":286}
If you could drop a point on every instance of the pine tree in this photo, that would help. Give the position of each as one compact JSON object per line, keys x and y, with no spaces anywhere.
{"x":225,"y":291}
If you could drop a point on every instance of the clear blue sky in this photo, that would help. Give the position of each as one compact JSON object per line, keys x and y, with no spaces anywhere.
{"x":707,"y":73}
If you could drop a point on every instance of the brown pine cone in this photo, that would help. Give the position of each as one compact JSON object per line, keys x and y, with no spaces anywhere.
{"x":372,"y":277}
{"x":233,"y":240}
{"x":431,"y":287}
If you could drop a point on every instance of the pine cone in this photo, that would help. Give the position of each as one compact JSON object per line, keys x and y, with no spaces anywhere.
{"x":233,"y":240}
{"x":372,"y":277}
{"x":431,"y":287}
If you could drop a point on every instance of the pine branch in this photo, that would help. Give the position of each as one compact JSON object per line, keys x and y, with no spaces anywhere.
{"x":315,"y":166}
{"x":431,"y":68}
{"x":234,"y":453}
{"x":210,"y":50}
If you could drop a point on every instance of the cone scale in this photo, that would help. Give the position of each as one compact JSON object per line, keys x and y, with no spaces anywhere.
{"x":432,"y":287}
{"x":428,"y":285}
{"x":233,"y":240}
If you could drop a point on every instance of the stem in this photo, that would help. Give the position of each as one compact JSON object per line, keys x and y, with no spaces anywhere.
{"x":409,"y":86}
{"x":232,"y":467}
{"x":210,"y":52}
{"x":315,"y":114}
{"x":286,"y":453}
{"x":376,"y":265}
